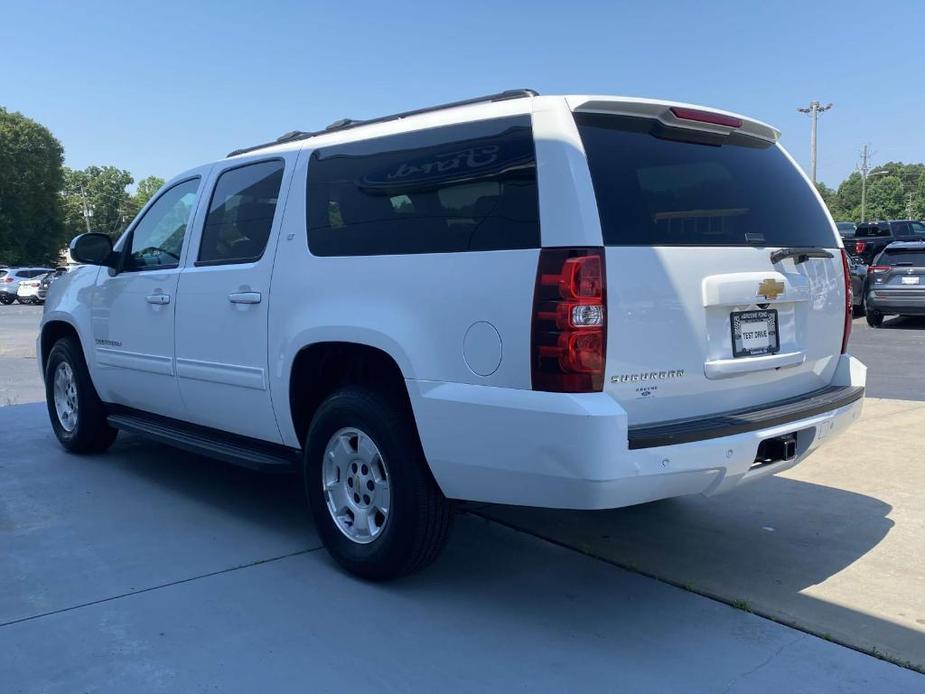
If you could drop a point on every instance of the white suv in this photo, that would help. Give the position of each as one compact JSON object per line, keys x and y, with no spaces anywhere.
{"x":576,"y":302}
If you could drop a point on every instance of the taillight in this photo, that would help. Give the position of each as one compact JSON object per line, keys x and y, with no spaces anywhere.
{"x":569,"y":335}
{"x":7,"y":280}
{"x":849,"y":314}
{"x":878,"y":268}
{"x":859,"y":247}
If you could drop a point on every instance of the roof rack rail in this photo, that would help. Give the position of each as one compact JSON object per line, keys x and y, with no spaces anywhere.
{"x":347,"y":123}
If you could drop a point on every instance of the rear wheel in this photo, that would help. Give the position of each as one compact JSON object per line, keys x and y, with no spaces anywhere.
{"x":859,"y":310}
{"x":6,"y":299}
{"x":377,"y":508}
{"x":874,"y":319}
{"x":77,"y":414}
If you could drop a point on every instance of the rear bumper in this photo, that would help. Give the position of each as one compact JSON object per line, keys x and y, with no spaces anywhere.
{"x":896,"y":302}
{"x":575,"y":451}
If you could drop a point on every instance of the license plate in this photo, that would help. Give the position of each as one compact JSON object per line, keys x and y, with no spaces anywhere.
{"x":754,"y":333}
{"x":910,"y":280}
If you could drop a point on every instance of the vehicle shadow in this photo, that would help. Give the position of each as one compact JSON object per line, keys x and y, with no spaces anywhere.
{"x":762,"y":548}
{"x":274,"y":501}
{"x":903,"y":323}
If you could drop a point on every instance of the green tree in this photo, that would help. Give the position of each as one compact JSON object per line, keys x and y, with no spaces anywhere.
{"x":30,"y":180}
{"x":97,"y":198}
{"x":146,"y":189}
{"x":885,"y":198}
{"x":827,"y":194}
{"x":848,"y":199}
{"x":918,"y":198}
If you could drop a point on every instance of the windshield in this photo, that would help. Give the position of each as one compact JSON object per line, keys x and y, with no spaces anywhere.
{"x":655,"y":191}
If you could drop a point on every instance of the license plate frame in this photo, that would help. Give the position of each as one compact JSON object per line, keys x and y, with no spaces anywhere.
{"x":736,"y":321}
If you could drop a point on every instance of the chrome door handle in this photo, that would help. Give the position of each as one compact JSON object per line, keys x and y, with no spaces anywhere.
{"x":158,"y":299}
{"x":244,"y":297}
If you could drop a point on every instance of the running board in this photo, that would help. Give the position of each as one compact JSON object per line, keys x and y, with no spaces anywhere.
{"x":231,"y":448}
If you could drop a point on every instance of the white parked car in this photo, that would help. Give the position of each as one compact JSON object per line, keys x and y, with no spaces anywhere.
{"x":578,"y":302}
{"x":10,"y":279}
{"x":28,"y":290}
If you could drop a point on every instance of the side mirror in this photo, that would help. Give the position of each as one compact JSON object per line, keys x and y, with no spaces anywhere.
{"x":92,"y":249}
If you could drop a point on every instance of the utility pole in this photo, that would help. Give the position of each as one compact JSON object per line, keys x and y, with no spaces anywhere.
{"x":87,"y":212}
{"x":864,"y":168}
{"x":814,"y":109}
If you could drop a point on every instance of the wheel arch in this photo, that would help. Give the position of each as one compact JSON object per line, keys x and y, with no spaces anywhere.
{"x":318,"y":369}
{"x":52,"y":331}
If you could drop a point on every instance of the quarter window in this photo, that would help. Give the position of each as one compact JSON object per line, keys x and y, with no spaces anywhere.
{"x":241,"y":213}
{"x":157,"y":238}
{"x":465,"y":187}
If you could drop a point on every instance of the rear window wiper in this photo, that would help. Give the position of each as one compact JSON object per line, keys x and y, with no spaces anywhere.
{"x":800,"y":254}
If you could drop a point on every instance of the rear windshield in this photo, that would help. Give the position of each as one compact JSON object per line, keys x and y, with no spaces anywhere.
{"x":895,"y":256}
{"x":656,"y":190}
{"x":2,"y":273}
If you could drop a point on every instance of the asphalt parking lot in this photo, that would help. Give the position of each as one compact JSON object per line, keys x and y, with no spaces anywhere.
{"x":148,"y":569}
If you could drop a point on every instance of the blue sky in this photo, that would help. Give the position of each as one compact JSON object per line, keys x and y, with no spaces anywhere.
{"x":158,"y":88}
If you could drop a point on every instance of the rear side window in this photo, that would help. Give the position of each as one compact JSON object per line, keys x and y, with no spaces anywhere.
{"x":466,"y":187}
{"x":241,"y":213}
{"x":654,"y":189}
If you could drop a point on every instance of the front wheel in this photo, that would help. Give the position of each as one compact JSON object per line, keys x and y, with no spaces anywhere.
{"x":874,"y":319}
{"x":377,"y":508}
{"x":77,"y":414}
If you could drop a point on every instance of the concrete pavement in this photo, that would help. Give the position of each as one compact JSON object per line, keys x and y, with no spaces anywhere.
{"x":20,"y":380}
{"x":149,"y":569}
{"x":833,"y":546}
{"x":894,"y":354}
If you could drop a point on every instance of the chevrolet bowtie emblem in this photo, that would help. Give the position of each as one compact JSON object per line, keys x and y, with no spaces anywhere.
{"x":770,"y":289}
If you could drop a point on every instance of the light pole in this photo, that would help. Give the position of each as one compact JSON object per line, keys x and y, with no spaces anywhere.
{"x":814,"y":109}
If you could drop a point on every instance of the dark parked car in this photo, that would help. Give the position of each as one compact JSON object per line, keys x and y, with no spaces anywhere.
{"x":857,"y":270}
{"x":896,"y":282}
{"x":47,"y":280}
{"x":846,"y":229}
{"x":872,"y":237}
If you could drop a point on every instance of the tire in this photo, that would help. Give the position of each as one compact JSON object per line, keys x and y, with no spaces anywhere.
{"x":874,"y":319}
{"x":859,"y":311}
{"x":415,"y":527}
{"x":86,"y":430}
{"x":6,"y":299}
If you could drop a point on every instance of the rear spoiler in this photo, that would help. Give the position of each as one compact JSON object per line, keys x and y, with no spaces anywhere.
{"x":676,"y":115}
